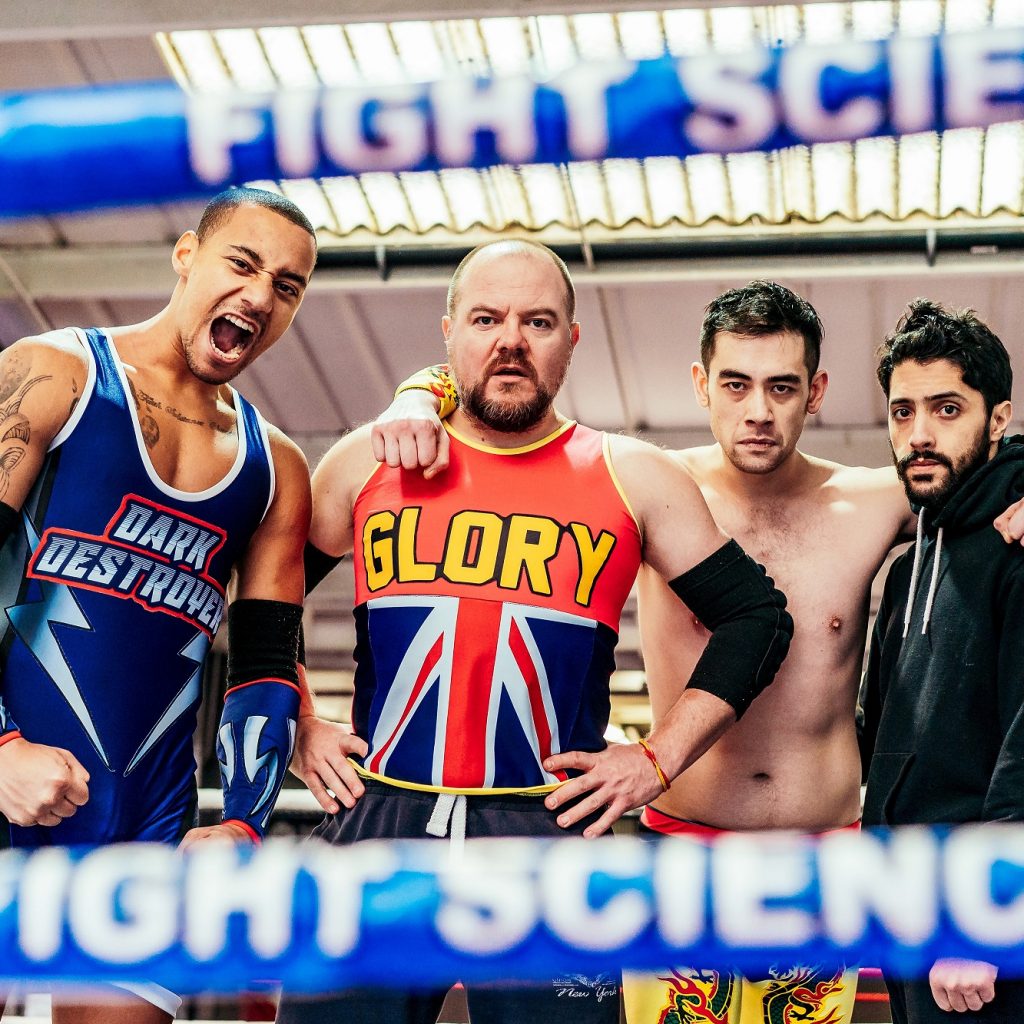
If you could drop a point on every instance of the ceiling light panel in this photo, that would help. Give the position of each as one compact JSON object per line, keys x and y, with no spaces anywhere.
{"x":968,"y":172}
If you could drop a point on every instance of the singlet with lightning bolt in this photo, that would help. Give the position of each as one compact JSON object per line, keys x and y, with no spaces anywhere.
{"x":112,"y":591}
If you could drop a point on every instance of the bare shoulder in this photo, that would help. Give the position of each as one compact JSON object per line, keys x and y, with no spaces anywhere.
{"x":631,"y":455}
{"x":651,"y":477}
{"x":42,"y":379}
{"x":54,"y":348}
{"x":288,"y":456}
{"x":348,"y":463}
{"x":698,"y":461}
{"x":665,"y":497}
{"x":874,"y":496}
{"x":859,"y":482}
{"x":293,"y":500}
{"x":56,"y":353}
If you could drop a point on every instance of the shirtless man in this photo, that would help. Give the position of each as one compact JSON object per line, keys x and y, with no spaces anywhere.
{"x":822,"y":530}
{"x":134,"y":482}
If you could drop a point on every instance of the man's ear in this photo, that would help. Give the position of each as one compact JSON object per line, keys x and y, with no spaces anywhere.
{"x":700,"y":384}
{"x":999,"y":421}
{"x":446,"y":332}
{"x":184,"y":253}
{"x":819,"y":385}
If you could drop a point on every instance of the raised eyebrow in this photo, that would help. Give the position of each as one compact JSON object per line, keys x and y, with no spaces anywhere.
{"x":946,"y":395}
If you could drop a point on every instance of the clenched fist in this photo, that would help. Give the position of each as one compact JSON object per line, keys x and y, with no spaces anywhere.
{"x":40,"y":785}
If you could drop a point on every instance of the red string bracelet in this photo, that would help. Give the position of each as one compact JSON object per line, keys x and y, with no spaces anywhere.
{"x":650,"y":755}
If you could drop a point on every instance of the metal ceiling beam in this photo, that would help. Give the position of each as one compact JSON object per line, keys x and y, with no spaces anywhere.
{"x":144,"y":272}
{"x":95,"y":19}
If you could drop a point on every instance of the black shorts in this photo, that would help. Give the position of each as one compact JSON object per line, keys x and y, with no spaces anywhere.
{"x":912,"y":1001}
{"x":388,"y":812}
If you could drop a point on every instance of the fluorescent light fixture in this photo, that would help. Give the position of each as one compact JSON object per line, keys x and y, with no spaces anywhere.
{"x":970,"y":172}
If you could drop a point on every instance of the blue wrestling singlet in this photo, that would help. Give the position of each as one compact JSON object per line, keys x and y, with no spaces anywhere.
{"x":112,"y":590}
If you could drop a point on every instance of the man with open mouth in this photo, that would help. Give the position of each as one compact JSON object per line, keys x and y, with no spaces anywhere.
{"x":134,"y":483}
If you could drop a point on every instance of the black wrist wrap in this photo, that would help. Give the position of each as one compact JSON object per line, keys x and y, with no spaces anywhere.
{"x":263,"y":641}
{"x":750,"y":628}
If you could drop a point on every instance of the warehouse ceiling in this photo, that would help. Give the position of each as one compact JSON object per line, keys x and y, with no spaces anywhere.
{"x":859,"y":229}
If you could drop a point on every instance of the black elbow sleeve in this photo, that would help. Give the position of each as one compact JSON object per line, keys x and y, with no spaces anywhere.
{"x":750,"y":628}
{"x":317,"y":564}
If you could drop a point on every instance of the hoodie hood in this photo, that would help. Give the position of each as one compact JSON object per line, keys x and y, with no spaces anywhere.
{"x":986,"y":493}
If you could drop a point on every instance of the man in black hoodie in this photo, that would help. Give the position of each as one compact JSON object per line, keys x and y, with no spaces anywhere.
{"x":944,"y":690}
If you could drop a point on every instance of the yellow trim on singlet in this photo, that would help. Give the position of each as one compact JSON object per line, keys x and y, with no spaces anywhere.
{"x":509,"y":451}
{"x":421,"y":787}
{"x":606,"y":448}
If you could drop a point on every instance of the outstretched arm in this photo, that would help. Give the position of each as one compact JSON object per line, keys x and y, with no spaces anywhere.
{"x":257,"y":728}
{"x":750,"y":633}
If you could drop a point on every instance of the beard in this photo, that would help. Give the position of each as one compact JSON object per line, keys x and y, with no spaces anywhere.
{"x":198,"y":371}
{"x":505,"y":413}
{"x":932,"y":496}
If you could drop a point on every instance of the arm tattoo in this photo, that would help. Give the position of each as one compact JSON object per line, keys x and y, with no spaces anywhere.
{"x":14,"y":373}
{"x":15,"y":428}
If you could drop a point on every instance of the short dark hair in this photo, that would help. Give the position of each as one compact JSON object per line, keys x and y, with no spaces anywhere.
{"x":929,"y":331}
{"x":759,"y":308}
{"x":222,"y":205}
{"x":515,"y":245}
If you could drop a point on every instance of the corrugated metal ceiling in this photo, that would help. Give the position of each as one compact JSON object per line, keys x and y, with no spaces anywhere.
{"x":962,"y":175}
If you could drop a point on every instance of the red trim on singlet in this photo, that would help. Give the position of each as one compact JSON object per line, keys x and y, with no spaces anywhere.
{"x":7,"y":737}
{"x":659,"y":821}
{"x":256,"y":682}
